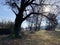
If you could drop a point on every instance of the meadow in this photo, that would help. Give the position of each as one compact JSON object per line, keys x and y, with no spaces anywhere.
{"x":41,"y":37}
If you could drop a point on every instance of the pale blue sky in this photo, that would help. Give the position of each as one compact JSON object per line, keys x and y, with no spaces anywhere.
{"x":8,"y":15}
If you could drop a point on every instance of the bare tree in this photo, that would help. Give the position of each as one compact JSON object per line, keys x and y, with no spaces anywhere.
{"x":21,"y":6}
{"x":52,"y":23}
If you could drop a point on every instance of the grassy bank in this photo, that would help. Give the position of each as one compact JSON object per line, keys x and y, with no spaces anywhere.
{"x":38,"y":38}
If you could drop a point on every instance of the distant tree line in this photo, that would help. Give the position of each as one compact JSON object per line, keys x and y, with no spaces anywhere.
{"x":6,"y":27}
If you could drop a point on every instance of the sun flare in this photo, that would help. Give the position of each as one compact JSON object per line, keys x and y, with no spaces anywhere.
{"x":47,"y":8}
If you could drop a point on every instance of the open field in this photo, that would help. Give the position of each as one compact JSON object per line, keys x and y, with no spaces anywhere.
{"x":38,"y":38}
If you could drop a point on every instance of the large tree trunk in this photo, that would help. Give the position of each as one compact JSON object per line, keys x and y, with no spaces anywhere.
{"x":17,"y":26}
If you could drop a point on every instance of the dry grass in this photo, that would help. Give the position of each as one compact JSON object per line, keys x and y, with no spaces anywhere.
{"x":38,"y":38}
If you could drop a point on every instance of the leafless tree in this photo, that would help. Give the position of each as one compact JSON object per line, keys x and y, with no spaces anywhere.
{"x":19,"y":7}
{"x":53,"y":22}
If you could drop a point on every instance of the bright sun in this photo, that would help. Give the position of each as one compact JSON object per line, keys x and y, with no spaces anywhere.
{"x":47,"y":8}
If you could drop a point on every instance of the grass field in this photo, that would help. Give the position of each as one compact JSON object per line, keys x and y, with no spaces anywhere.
{"x":42,"y":37}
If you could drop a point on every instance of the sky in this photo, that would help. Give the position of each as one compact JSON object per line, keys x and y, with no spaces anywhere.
{"x":6,"y":14}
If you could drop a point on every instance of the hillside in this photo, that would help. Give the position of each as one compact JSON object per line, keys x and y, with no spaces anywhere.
{"x":38,"y":38}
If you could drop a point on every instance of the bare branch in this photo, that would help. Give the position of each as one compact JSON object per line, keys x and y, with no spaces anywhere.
{"x":14,"y":11}
{"x":56,"y":2}
{"x":39,"y":4}
{"x":16,"y":5}
{"x":13,"y":4}
{"x":32,"y":8}
{"x":22,"y":2}
{"x":31,"y":1}
{"x":30,"y":14}
{"x":37,"y":15}
{"x":28,"y":3}
{"x":45,"y":4}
